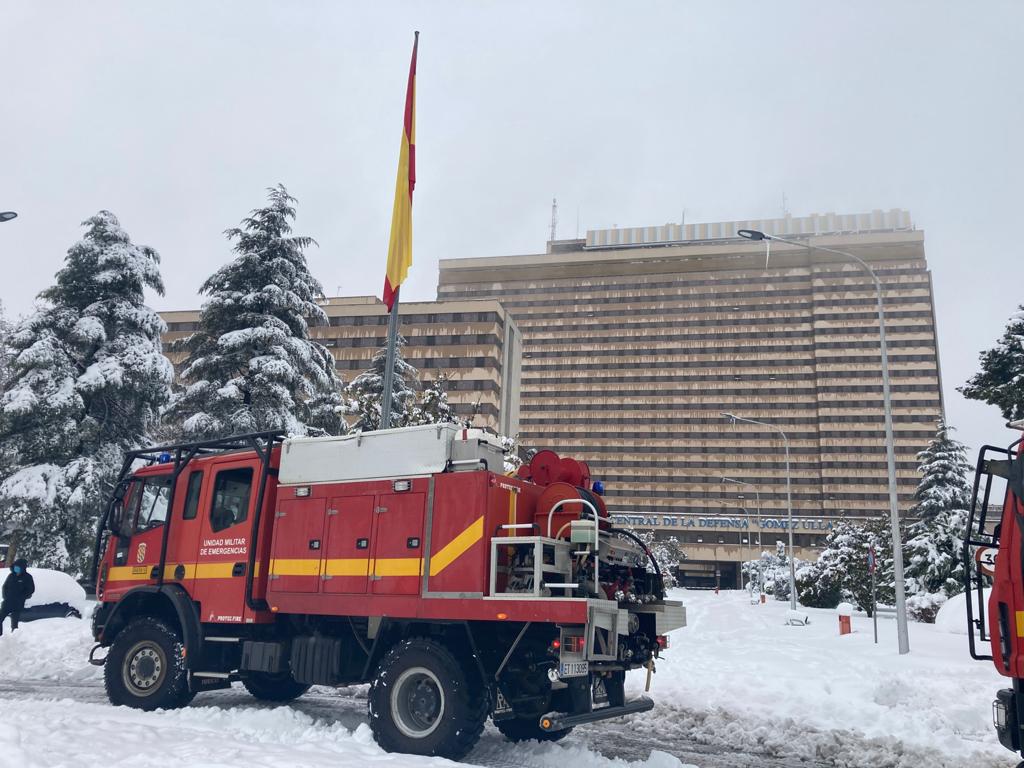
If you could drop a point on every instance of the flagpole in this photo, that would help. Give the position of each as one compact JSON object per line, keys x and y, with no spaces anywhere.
{"x":389,"y":364}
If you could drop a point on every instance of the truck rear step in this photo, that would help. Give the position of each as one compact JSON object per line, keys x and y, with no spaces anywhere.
{"x":553,"y":721}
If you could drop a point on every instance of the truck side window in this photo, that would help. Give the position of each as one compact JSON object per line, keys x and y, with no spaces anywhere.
{"x":195,"y":483}
{"x":153,"y":506}
{"x":230,"y":498}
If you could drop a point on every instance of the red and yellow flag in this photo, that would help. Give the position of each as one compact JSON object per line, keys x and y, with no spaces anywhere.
{"x":400,"y":247}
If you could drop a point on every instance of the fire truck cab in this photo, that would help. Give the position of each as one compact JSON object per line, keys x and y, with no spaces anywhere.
{"x":404,"y":558}
{"x":994,"y":549}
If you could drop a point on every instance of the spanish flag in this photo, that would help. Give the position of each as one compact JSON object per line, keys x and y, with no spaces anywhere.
{"x":400,"y":247}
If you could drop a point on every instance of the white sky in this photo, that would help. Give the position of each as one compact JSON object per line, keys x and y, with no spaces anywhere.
{"x":176,"y":116}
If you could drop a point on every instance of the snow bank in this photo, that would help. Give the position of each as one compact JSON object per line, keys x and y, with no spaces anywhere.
{"x":738,"y":675}
{"x":48,"y":649}
{"x":952,"y":616}
{"x":54,"y":587}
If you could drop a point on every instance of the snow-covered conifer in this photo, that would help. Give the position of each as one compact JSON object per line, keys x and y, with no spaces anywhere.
{"x":1000,"y":381}
{"x":934,"y":561}
{"x":86,"y":383}
{"x":251,"y":365}
{"x":433,"y":406}
{"x":365,"y":391}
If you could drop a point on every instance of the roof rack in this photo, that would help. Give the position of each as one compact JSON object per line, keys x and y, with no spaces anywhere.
{"x":194,"y":448}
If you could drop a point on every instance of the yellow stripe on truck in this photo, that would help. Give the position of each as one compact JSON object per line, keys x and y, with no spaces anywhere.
{"x":457,"y":547}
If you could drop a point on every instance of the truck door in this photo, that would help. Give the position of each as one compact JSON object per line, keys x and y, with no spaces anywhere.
{"x":137,"y":554}
{"x":225,"y":517}
{"x":398,"y":544}
{"x":347,"y":546}
{"x":186,"y":529}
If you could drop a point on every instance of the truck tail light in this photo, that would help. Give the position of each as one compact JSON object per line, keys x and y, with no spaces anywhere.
{"x":573,"y":643}
{"x":662,"y":641}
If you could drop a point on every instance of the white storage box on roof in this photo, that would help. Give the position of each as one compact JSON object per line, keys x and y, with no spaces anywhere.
{"x":405,"y":452}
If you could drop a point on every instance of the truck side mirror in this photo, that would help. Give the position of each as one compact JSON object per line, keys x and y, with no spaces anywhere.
{"x":116,"y":518}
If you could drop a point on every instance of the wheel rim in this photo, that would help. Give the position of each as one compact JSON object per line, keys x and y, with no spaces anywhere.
{"x":144,"y":668}
{"x":417,"y":702}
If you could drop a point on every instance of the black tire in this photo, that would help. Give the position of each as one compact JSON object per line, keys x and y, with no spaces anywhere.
{"x":145,"y":668}
{"x":280,"y":687}
{"x":528,"y":729}
{"x":424,"y":702}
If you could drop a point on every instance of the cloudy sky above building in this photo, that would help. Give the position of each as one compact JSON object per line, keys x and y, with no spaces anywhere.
{"x":176,"y":116}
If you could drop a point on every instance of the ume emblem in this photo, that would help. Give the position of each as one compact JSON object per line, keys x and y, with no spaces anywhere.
{"x":140,"y":553}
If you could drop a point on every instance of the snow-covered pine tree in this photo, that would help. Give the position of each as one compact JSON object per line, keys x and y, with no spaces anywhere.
{"x":433,"y":406}
{"x":6,"y":353}
{"x":1000,"y":381}
{"x":934,"y":561}
{"x":86,"y":383}
{"x":251,"y":365}
{"x":365,"y":391}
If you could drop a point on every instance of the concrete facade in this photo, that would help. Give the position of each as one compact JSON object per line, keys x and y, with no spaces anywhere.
{"x":475,"y":342}
{"x":635,"y":340}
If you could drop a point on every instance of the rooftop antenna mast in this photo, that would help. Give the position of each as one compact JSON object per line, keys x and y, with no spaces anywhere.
{"x":554,"y":218}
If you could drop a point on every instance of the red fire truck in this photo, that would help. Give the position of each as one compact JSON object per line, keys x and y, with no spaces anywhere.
{"x":999,"y":619}
{"x":404,"y":558}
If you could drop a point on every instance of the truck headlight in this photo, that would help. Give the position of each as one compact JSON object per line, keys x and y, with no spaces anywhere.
{"x":999,"y":715}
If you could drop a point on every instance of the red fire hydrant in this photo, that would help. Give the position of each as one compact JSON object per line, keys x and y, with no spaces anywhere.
{"x":845,"y":611}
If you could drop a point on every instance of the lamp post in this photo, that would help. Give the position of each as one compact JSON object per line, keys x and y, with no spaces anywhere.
{"x":890,"y":446}
{"x":7,"y":216}
{"x":789,"y":500}
{"x":757,"y":500}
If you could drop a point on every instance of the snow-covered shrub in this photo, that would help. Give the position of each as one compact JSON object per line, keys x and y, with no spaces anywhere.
{"x":251,"y":366}
{"x":924,"y":608}
{"x":771,"y":572}
{"x":85,"y":383}
{"x":843,"y":566}
{"x":668,"y":553}
{"x":815,"y":591}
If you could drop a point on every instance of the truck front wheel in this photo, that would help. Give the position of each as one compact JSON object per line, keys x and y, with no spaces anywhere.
{"x":280,"y":687}
{"x":145,"y":668}
{"x":423,"y":702}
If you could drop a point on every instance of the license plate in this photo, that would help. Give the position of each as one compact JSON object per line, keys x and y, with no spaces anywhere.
{"x":573,"y":669}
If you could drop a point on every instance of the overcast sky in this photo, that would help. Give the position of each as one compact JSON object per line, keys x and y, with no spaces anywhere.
{"x":177,"y":115}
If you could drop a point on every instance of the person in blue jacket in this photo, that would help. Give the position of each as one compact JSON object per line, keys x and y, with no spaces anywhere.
{"x":18,"y":587}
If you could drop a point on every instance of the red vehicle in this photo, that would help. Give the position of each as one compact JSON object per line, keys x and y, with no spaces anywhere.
{"x":403,"y":558}
{"x":999,"y":620}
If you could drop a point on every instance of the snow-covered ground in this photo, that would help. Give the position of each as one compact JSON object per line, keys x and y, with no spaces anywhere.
{"x":738,"y":688}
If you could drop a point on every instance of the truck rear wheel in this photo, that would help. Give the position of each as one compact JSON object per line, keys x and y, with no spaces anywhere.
{"x":528,"y":729}
{"x":423,"y":702}
{"x":145,"y":668}
{"x":280,"y":687}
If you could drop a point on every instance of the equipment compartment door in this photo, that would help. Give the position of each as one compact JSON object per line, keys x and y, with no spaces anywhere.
{"x":347,"y":545}
{"x":297,"y":548}
{"x":398,"y":544}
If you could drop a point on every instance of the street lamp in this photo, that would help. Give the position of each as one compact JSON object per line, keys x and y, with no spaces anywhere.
{"x":890,"y":447}
{"x":757,"y":498}
{"x":7,"y":216}
{"x":789,"y":500}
